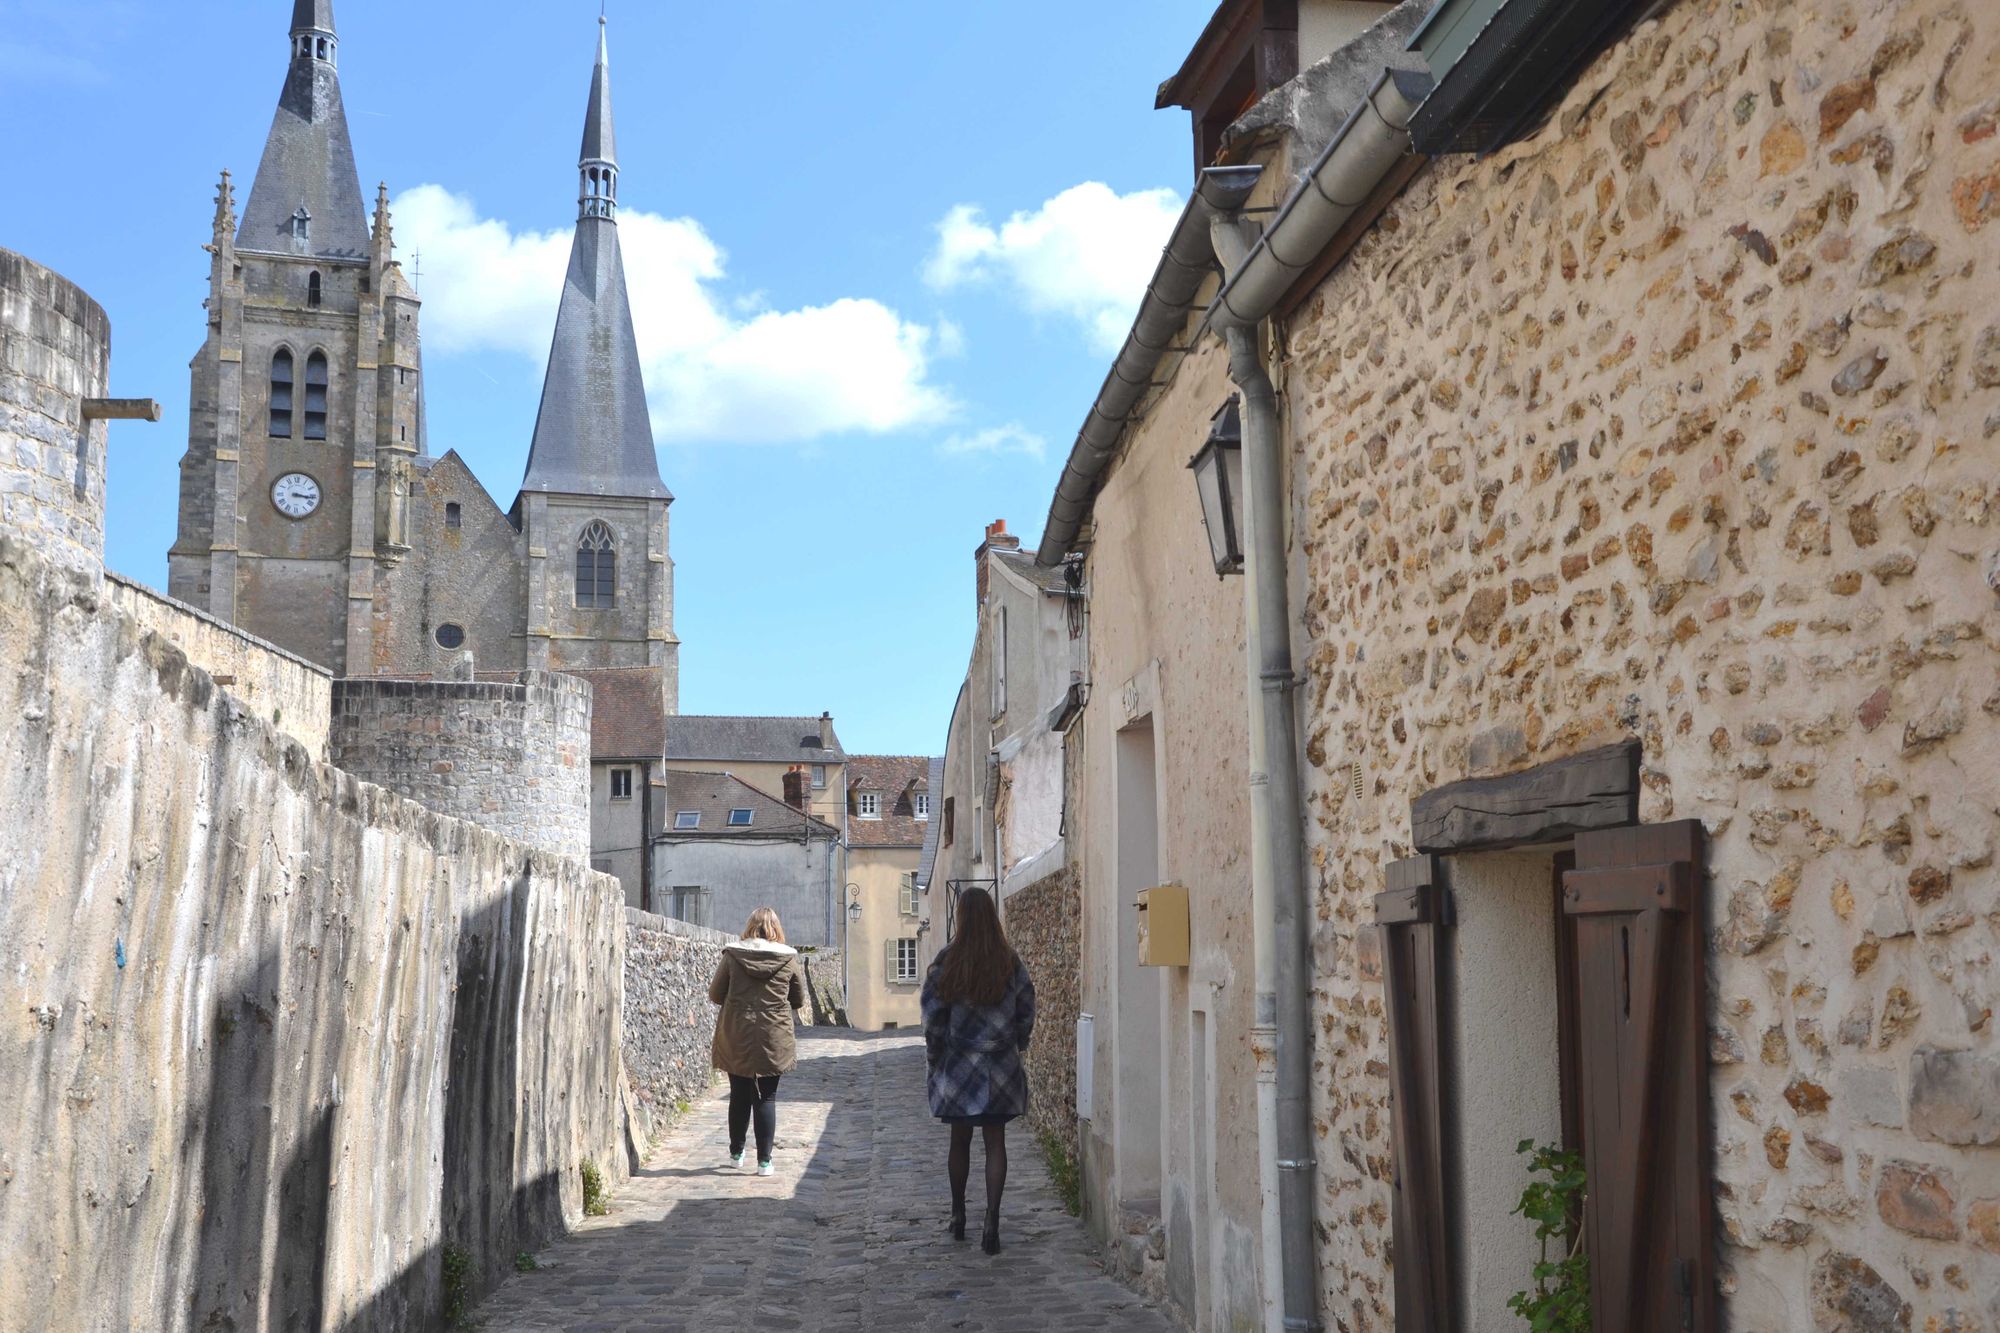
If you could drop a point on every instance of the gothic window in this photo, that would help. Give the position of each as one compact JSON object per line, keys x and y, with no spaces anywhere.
{"x":315,"y":396}
{"x":596,"y":568}
{"x":312,"y":288}
{"x":281,"y":394}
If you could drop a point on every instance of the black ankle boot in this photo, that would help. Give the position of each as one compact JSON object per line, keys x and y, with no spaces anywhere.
{"x":958,"y":1222}
{"x":989,"y":1235}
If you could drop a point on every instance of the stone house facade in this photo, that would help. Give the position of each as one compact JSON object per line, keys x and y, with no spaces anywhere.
{"x":891,"y":806}
{"x":1637,"y":489}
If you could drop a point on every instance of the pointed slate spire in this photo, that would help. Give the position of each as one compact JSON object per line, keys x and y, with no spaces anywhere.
{"x":308,"y":161}
{"x":594,"y":435}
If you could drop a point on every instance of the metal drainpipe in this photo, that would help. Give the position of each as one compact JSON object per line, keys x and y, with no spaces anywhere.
{"x":1264,"y":502}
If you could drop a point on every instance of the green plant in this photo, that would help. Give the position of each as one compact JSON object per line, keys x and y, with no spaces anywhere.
{"x":457,"y":1283}
{"x":525,"y":1262}
{"x":1553,"y":1201}
{"x":1062,"y":1173}
{"x":595,"y":1204}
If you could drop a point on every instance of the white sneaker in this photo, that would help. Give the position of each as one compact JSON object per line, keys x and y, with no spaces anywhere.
{"x":736,"y":1159}
{"x":763,"y":1168}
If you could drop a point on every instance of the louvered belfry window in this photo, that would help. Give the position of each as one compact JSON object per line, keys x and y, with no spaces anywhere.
{"x":596,"y":568}
{"x":316,"y":396}
{"x":281,"y":395}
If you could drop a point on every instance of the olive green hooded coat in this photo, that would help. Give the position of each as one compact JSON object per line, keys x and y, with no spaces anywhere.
{"x":758,"y":984}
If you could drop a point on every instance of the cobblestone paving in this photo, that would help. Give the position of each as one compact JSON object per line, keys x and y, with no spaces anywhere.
{"x":848,"y":1235}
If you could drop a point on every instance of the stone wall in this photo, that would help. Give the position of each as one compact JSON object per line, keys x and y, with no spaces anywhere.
{"x":669,"y":1022}
{"x":1045,"y":926}
{"x":1678,"y":422}
{"x":512,"y":756}
{"x":279,"y":1038}
{"x":292,"y":694}
{"x":55,"y":351}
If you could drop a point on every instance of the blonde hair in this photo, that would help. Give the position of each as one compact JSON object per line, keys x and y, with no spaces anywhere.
{"x":764,"y":925}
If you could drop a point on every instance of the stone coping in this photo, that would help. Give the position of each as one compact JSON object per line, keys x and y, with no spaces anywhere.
{"x":176,"y":604}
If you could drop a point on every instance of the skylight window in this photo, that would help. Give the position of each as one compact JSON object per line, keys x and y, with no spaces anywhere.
{"x":687,"y":819}
{"x":740,"y":818}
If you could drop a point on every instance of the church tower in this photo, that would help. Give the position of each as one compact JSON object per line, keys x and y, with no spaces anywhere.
{"x":306,"y":409}
{"x":592,"y":505}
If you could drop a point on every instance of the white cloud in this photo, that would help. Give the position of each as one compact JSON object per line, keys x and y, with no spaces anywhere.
{"x":716,"y":368}
{"x":1086,"y":254}
{"x":1012,"y":438}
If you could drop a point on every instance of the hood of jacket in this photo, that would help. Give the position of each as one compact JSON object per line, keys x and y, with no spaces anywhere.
{"x":760,"y":958}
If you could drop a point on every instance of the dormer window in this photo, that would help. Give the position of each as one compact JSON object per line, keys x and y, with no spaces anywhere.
{"x":868,"y":805}
{"x":302,"y":222}
{"x":923,"y":804}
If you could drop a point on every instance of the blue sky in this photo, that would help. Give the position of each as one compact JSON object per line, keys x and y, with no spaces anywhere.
{"x":881,"y":253}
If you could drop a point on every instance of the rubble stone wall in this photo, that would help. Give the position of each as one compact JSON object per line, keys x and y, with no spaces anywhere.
{"x":1680,"y":421}
{"x":55,"y":351}
{"x":278,"y":1041}
{"x":513,"y":756}
{"x":1045,"y":926}
{"x":669,"y":1022}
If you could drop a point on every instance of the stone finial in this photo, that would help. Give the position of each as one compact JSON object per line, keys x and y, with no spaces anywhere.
{"x":385,"y":232}
{"x":225,"y":216}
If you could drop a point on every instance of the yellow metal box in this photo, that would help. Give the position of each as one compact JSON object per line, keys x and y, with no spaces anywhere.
{"x":1163,"y":926}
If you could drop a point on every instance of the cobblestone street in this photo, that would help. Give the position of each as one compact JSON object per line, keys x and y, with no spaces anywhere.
{"x":849,"y":1234}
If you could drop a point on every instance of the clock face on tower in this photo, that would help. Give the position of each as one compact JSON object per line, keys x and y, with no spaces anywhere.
{"x":295,"y":495}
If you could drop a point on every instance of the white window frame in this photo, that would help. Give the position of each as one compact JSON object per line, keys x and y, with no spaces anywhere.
{"x":616,"y":774}
{"x":923,"y":804}
{"x":749,"y":817}
{"x":819,"y":777}
{"x":867,"y":805}
{"x":683,"y":899}
{"x":905,"y":973}
{"x":685,"y":820}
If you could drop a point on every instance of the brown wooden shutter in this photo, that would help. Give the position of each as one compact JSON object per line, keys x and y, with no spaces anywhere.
{"x":1412,"y":918}
{"x":1635,"y":898}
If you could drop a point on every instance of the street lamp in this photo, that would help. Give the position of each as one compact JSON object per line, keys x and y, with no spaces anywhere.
{"x":1218,"y":479}
{"x":854,"y":902}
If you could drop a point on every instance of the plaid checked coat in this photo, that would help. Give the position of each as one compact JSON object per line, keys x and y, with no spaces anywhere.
{"x":975,"y":1051}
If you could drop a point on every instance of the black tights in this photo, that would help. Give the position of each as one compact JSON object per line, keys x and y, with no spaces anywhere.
{"x":748,"y":1098}
{"x":959,"y":1164}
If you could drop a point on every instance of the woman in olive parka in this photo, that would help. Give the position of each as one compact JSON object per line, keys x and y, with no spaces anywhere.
{"x":760,"y":986}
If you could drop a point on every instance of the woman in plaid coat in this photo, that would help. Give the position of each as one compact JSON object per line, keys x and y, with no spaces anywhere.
{"x":979,"y":1011}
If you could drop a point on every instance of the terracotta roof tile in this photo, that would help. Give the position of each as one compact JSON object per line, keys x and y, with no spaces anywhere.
{"x":894,"y":779}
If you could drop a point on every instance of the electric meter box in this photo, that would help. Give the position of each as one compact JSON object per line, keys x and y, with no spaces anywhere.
{"x":1163,"y":926}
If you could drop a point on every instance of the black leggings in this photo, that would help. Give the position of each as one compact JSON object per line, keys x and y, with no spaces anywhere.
{"x":748,"y":1098}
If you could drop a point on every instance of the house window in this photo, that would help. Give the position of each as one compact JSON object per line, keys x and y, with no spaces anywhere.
{"x":690,"y":904}
{"x":923,"y":804}
{"x":741,"y":818}
{"x":819,"y":777}
{"x":450,"y":636}
{"x":453,"y":515}
{"x":281,"y":395}
{"x":945,"y":835}
{"x":902,"y":962}
{"x":687,"y":819}
{"x":313,"y":289}
{"x":868,"y":805}
{"x":316,"y":396}
{"x":906,"y":894}
{"x":596,"y":568}
{"x":621,"y":784}
{"x":1000,"y":665}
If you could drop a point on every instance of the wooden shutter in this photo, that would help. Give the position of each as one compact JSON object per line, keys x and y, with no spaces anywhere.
{"x":889,"y":961}
{"x":1635,"y":898}
{"x":1412,"y":917}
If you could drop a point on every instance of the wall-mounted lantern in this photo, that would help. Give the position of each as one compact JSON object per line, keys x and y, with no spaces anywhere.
{"x":1218,"y":479}
{"x":854,"y":902}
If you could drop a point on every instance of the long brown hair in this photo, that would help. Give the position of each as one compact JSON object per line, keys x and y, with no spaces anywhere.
{"x":764,"y":925}
{"x":979,"y":963}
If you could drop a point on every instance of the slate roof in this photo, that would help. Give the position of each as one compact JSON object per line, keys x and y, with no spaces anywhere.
{"x":891,"y":777}
{"x":714,"y":795}
{"x":628,"y":714}
{"x":594,"y":435}
{"x":927,"y":863}
{"x":1025,"y":565}
{"x":600,"y":142}
{"x":750,"y":740}
{"x":308,"y":159}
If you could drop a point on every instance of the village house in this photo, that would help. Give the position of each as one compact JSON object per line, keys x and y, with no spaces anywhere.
{"x":726,"y":848}
{"x":1558,"y":702}
{"x":889,"y":813}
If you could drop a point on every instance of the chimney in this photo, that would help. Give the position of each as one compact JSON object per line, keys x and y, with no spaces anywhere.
{"x":797,"y":784}
{"x":826,"y":731}
{"x":997,"y":539}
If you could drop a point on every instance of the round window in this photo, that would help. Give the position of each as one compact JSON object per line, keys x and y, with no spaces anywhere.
{"x":450,"y":636}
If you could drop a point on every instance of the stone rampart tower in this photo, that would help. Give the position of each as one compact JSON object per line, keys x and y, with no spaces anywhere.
{"x":307,"y":393}
{"x":55,"y":352}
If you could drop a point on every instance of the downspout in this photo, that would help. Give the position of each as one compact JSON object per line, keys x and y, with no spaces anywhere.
{"x":646,"y":835}
{"x":1367,"y":146}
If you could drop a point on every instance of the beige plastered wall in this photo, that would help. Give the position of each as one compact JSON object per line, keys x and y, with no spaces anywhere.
{"x":875,"y":876}
{"x":1678,"y":422}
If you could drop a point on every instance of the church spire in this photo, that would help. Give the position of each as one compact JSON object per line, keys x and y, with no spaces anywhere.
{"x":598,"y":186}
{"x":307,"y":196}
{"x":594,"y":435}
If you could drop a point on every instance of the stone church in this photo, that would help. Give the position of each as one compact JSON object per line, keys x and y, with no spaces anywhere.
{"x":311,"y":510}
